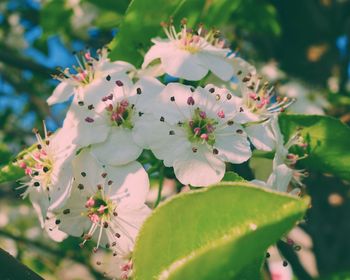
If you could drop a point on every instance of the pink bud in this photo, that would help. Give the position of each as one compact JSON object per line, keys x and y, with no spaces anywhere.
{"x":204,"y":136}
{"x":101,"y":209}
{"x":252,"y":95}
{"x":210,"y":128}
{"x":37,"y":155}
{"x":124,"y":103}
{"x":197,"y":130}
{"x":94,"y":218}
{"x":22,"y":165}
{"x":221,"y":114}
{"x":202,"y":114}
{"x":88,"y":56}
{"x":28,"y":171}
{"x":90,"y":202}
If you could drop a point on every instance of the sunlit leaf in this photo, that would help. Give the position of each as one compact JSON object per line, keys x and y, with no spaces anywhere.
{"x":214,"y":233}
{"x":328,"y":142}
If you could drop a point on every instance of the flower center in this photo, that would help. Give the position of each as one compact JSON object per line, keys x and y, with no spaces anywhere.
{"x":260,"y":98}
{"x":39,"y":163}
{"x":98,"y":208}
{"x":192,"y":40}
{"x":201,"y":128}
{"x":121,"y":114}
{"x":83,"y":73}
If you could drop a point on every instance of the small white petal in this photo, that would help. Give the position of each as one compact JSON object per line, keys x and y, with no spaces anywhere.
{"x":61,"y":93}
{"x":220,"y":66}
{"x":261,"y":136}
{"x":280,"y":178}
{"x":232,"y":147}
{"x":118,"y":149}
{"x":183,"y":64}
{"x":199,"y":169}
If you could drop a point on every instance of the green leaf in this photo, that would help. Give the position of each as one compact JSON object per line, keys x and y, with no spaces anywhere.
{"x":5,"y":154}
{"x":141,"y":23}
{"x":231,"y":176}
{"x":10,"y":172}
{"x":328,"y":142}
{"x":214,"y":233}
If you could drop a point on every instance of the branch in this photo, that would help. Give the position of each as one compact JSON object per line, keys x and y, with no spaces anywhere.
{"x":52,"y":251}
{"x":8,"y":56}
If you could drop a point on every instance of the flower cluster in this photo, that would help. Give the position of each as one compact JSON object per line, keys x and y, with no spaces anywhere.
{"x":85,"y":180}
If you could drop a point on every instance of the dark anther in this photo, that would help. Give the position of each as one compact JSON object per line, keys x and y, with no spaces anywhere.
{"x":119,"y":83}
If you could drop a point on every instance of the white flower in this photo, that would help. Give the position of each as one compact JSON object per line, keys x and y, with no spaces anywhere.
{"x":283,"y":168}
{"x":107,"y":122}
{"x":193,"y":131}
{"x":255,"y":126}
{"x":258,"y":105}
{"x":48,"y":168}
{"x":106,"y":203}
{"x":89,"y":72}
{"x":190,"y":54}
{"x":308,"y":101}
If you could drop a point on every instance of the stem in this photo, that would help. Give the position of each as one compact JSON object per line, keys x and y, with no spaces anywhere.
{"x":160,"y":188}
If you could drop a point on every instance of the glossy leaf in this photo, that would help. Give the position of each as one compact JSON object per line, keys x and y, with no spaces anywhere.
{"x":328,"y":142}
{"x":214,"y":233}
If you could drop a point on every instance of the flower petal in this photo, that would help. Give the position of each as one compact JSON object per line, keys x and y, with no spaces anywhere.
{"x":232,"y":144}
{"x":261,"y":136}
{"x":280,"y":178}
{"x":219,"y":65}
{"x":201,"y":168}
{"x":118,"y":149}
{"x":183,"y":64}
{"x":61,"y":93}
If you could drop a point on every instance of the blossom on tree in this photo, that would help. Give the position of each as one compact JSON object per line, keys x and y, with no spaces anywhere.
{"x":90,"y":72}
{"x":193,"y":131}
{"x":190,"y":54}
{"x":48,"y":171}
{"x":107,"y":123}
{"x":107,"y":203}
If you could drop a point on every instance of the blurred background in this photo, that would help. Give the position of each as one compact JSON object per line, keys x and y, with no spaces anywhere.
{"x":302,"y":46}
